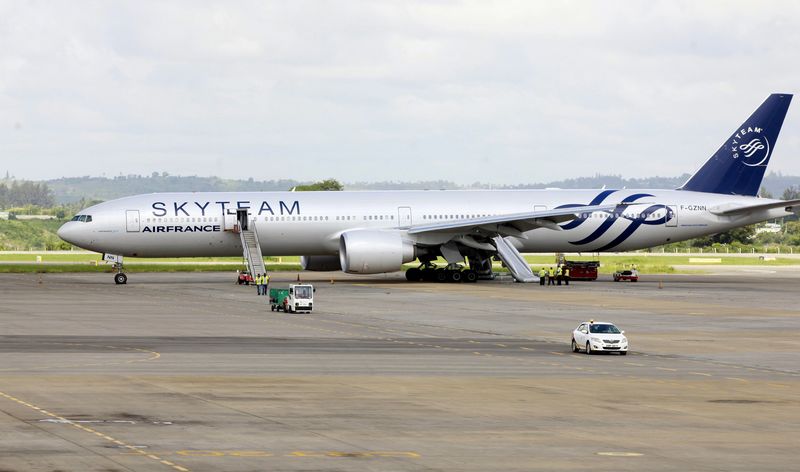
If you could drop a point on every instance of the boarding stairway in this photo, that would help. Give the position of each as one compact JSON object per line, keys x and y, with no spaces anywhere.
{"x":252,"y":252}
{"x":514,"y":261}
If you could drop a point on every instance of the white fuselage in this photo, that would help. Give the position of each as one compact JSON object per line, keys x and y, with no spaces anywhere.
{"x":311,"y":223}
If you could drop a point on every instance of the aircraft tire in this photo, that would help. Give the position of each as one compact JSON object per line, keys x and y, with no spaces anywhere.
{"x":441,"y":275}
{"x":470,"y":276}
{"x":414,"y":275}
{"x":455,"y":276}
{"x":120,"y":279}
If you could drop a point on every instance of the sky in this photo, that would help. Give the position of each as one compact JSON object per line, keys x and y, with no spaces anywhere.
{"x":504,"y":92}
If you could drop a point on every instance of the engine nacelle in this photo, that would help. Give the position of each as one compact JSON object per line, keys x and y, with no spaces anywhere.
{"x":320,"y":263}
{"x":373,"y":252}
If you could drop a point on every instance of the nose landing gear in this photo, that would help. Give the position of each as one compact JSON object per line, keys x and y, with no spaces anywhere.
{"x":119,"y":277}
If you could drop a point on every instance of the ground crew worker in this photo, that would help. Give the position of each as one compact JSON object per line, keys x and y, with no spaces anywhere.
{"x":558,"y":274}
{"x":566,"y":275}
{"x":257,"y":281}
{"x":551,"y":277}
{"x":542,"y":276}
{"x":265,"y":280}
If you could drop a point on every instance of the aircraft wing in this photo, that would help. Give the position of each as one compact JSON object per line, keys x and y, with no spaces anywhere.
{"x":513,"y":224}
{"x":791,"y":206}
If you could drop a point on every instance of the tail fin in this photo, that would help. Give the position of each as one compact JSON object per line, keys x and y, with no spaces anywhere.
{"x":739,"y":164}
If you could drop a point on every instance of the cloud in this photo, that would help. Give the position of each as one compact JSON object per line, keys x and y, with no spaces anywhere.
{"x":506,"y":92}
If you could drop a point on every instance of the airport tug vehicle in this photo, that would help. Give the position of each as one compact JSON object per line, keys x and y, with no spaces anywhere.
{"x":297,"y":298}
{"x":244,"y":278}
{"x":598,"y":336}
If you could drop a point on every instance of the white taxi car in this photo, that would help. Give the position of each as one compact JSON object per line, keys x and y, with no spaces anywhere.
{"x":599,"y":336}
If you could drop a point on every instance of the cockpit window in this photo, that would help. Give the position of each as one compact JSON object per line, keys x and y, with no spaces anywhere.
{"x":82,"y":218}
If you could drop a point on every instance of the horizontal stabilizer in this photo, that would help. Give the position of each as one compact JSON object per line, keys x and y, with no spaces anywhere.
{"x":791,"y":206}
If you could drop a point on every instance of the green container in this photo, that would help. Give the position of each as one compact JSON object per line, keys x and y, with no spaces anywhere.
{"x":278,"y":295}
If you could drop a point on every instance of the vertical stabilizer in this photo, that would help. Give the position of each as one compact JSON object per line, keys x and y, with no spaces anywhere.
{"x":738,"y":166}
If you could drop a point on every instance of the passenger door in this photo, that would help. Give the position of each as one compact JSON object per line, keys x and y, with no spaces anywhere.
{"x":403,"y":217}
{"x":132,"y":221}
{"x":671,"y":216}
{"x":229,"y":221}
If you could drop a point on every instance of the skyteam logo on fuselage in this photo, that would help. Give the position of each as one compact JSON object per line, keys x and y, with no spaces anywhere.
{"x":653,"y":215}
{"x":751,"y":146}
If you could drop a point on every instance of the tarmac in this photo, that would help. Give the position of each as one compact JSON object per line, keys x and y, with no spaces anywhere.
{"x":191,"y":372}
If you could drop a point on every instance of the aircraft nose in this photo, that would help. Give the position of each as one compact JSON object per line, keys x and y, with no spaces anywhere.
{"x":67,"y":232}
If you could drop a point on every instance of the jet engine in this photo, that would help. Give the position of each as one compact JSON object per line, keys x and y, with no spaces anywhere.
{"x":374,"y":252}
{"x":320,"y":263}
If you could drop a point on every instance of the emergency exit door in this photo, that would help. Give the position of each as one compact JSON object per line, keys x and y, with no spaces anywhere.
{"x":403,"y":217}
{"x":132,"y":217}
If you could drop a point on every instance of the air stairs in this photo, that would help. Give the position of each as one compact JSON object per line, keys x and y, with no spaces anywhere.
{"x":252,"y":252}
{"x":514,"y":261}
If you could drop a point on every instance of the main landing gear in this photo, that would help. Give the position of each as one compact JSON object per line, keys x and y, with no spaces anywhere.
{"x":429,"y":272}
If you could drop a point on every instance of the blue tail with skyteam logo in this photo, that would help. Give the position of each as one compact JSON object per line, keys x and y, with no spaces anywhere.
{"x":738,"y":166}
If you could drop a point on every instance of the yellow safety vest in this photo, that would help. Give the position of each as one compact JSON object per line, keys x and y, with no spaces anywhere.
{"x":552,"y":273}
{"x":542,"y":273}
{"x":566,"y":272}
{"x":266,"y":279}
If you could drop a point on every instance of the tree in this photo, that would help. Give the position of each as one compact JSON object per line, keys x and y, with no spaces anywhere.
{"x":743,"y":235}
{"x":764,"y":193}
{"x":26,"y":193}
{"x":327,"y":184}
{"x":791,"y":193}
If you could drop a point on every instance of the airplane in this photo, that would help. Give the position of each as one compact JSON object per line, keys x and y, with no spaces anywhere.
{"x":372,"y":232}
